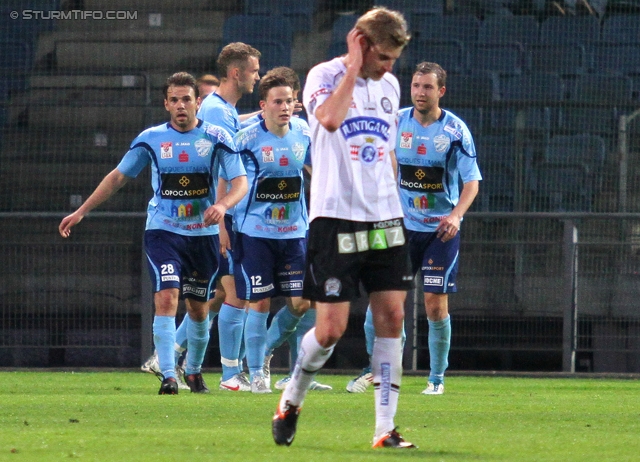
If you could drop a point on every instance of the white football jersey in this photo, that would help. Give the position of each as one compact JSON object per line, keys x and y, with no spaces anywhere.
{"x":353,"y":177}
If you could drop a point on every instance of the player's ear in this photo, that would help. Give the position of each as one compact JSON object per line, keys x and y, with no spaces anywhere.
{"x":263,"y":103}
{"x":166,"y":104}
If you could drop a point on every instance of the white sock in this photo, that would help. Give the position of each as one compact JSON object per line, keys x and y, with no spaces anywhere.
{"x":311,"y":357}
{"x":386,"y":364}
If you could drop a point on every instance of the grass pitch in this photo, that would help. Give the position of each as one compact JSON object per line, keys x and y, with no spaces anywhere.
{"x":118,"y":416}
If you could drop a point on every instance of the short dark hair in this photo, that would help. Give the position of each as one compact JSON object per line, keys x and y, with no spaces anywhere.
{"x":180,"y":79}
{"x":432,"y":68}
{"x":234,"y":53}
{"x":272,"y":80}
{"x":289,"y":74}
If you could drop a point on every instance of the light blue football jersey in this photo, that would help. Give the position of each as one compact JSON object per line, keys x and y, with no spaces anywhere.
{"x":430,"y":159}
{"x":184,"y":173}
{"x":274,"y":207}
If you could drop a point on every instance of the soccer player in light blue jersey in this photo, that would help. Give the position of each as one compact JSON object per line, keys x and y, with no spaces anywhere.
{"x":181,"y":236}
{"x":271,"y":222}
{"x":434,"y":147}
{"x":238,"y":65}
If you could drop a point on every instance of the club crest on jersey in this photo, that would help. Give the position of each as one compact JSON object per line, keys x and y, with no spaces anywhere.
{"x":166,"y":150}
{"x":267,"y":154}
{"x":441,"y":143}
{"x":406,"y":139}
{"x":332,"y":287}
{"x":387,"y":107}
{"x":203,"y":147}
{"x":298,"y":151}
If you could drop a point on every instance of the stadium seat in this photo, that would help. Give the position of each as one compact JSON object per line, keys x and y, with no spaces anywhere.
{"x":339,"y":30}
{"x":417,"y":9}
{"x":621,"y":29}
{"x":254,"y":29}
{"x":496,"y":155}
{"x":565,"y":30}
{"x":463,"y":89}
{"x":502,"y":58}
{"x":450,"y":27}
{"x":561,"y":188}
{"x":566,"y":60}
{"x":607,"y":90}
{"x":298,"y":12}
{"x":616,"y":58}
{"x":531,"y":88}
{"x":506,"y":29}
{"x":584,"y":149}
{"x":450,"y":54}
{"x":16,"y":61}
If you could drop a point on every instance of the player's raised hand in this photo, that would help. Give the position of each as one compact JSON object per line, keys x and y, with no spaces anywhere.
{"x":356,"y":44}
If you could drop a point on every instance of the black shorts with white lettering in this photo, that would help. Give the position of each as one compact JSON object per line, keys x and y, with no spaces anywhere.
{"x":341,"y":254}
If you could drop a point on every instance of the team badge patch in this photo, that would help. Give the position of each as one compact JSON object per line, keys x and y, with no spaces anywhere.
{"x":441,"y":143}
{"x":166,"y":150}
{"x":203,"y":147}
{"x":332,"y":287}
{"x":298,"y":151}
{"x":387,"y":107}
{"x":406,"y":139}
{"x":267,"y":154}
{"x":368,"y":153}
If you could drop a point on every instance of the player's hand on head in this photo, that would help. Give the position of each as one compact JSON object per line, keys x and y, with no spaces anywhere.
{"x":356,"y":43}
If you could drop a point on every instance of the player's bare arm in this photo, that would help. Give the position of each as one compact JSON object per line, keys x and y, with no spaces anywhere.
{"x":215,"y":213}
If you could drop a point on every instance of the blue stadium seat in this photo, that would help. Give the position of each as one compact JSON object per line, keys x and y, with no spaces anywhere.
{"x":503,"y":58}
{"x":592,"y":88}
{"x":450,"y":27}
{"x":538,"y":88}
{"x":505,"y":29}
{"x":621,"y":29}
{"x":584,"y":149}
{"x":496,"y":156}
{"x":566,"y":60}
{"x":414,"y":8}
{"x":450,"y":54}
{"x":298,"y":12}
{"x":616,"y":58}
{"x":339,"y":30}
{"x":271,"y":35}
{"x":561,"y":188}
{"x":565,"y":30}
{"x":16,"y":61}
{"x":469,"y":89}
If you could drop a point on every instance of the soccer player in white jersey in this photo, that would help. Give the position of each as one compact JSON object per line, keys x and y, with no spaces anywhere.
{"x":181,"y":235}
{"x":356,"y":233}
{"x":433,"y":148}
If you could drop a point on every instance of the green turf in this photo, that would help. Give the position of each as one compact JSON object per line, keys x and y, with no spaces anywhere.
{"x":109,"y":416}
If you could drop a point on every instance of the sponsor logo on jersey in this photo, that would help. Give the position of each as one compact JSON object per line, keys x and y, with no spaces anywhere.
{"x":422,"y":150}
{"x":298,"y":151}
{"x":406,"y":139}
{"x":441,"y":143}
{"x":267,"y":154}
{"x":279,"y":189}
{"x":454,"y":128}
{"x":423,"y":179}
{"x":183,"y":156}
{"x":284,"y":161}
{"x":433,"y":281}
{"x":421,"y":203}
{"x":365,"y":126}
{"x":203,"y":147}
{"x":184,"y":185}
{"x":387,"y":107}
{"x":166,"y":150}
